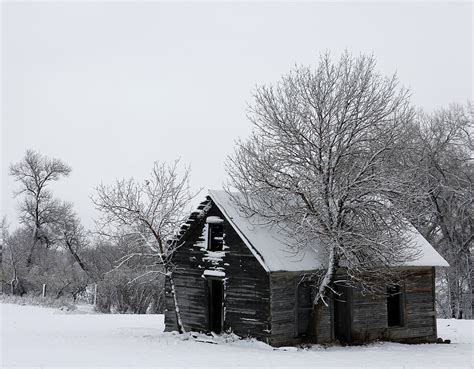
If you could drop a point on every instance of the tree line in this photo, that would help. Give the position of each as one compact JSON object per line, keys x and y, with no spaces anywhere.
{"x":338,"y":156}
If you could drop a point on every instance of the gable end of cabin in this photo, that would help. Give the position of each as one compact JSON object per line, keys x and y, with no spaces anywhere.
{"x":220,"y":285}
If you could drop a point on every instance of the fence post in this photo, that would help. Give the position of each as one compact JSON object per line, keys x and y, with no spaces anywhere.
{"x":44,"y":289}
{"x":95,"y":294}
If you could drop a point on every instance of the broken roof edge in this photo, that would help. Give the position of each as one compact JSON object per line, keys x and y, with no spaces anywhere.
{"x":215,"y":199}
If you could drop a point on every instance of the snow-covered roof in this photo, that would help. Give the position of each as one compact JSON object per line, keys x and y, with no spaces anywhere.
{"x":273,"y":249}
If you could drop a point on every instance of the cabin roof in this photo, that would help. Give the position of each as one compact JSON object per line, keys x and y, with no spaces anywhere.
{"x":274,"y":251}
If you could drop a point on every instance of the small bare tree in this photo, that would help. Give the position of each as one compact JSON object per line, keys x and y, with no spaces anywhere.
{"x":4,"y":235}
{"x":14,"y":253}
{"x":38,"y":209}
{"x":151,"y":212}
{"x":324,"y":164}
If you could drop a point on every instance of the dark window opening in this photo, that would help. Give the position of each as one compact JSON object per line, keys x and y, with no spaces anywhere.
{"x":394,"y":306}
{"x":215,"y":237}
{"x":304,"y":308}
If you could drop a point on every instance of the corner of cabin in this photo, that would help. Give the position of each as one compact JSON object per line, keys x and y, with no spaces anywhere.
{"x":214,"y":268}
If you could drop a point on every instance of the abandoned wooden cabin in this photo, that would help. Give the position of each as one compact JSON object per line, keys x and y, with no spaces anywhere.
{"x":235,"y":275}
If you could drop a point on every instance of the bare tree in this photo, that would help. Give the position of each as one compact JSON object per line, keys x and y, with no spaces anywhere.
{"x":151,"y":212}
{"x":123,"y":289}
{"x":443,"y":157}
{"x":70,"y":234}
{"x":38,"y":209}
{"x":324,"y":164}
{"x":14,"y":253}
{"x":4,"y":234}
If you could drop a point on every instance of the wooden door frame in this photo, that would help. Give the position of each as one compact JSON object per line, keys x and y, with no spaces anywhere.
{"x":348,"y":316}
{"x":209,"y":305}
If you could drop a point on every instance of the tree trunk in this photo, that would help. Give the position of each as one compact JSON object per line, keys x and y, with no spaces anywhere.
{"x":61,"y":291}
{"x":176,"y":306}
{"x":76,"y":257}
{"x":470,"y":281}
{"x":319,"y":299}
{"x":29,"y":259}
{"x":327,"y":280}
{"x":471,"y":271}
{"x":14,"y":281}
{"x":452,"y":297}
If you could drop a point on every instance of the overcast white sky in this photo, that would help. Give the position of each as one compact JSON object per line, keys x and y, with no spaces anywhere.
{"x":111,"y":87}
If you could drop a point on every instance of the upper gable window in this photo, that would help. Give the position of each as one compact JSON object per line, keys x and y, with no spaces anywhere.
{"x":215,"y":233}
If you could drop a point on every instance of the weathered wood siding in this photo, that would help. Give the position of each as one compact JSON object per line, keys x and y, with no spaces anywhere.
{"x":368,"y":314}
{"x":283,"y":308}
{"x":284,"y":311}
{"x":420,"y":314}
{"x":419,"y":324}
{"x":265,"y":305}
{"x":247,"y":293}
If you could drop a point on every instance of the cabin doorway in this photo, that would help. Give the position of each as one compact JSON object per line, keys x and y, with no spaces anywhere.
{"x":215,"y":293}
{"x":342,"y":315}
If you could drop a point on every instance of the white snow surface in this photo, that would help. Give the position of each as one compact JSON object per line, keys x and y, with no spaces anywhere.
{"x":273,"y":248}
{"x":214,"y":220}
{"x":213,"y":273}
{"x":428,"y":255}
{"x":35,"y":337}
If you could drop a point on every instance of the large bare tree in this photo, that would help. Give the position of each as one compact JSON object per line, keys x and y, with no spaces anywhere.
{"x":38,"y":209}
{"x":151,"y":213}
{"x":443,"y":157}
{"x":324,"y":163}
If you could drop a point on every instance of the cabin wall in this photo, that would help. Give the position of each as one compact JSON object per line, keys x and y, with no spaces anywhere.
{"x":247,"y":295}
{"x":369,"y":314}
{"x":284,"y":311}
{"x":420,"y":313}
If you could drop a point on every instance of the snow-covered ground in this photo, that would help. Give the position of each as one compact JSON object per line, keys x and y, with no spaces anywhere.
{"x":42,"y":337}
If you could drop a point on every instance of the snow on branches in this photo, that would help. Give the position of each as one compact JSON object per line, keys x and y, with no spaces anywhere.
{"x":148,"y":212}
{"x":324,"y":161}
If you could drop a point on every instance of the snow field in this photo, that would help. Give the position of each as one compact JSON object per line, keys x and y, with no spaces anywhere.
{"x":35,"y":337}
